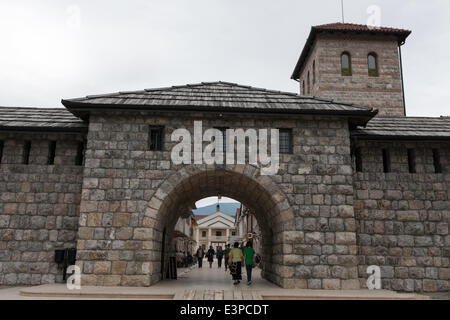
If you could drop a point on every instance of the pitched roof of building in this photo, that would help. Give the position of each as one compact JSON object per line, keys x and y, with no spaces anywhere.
{"x":401,"y":35}
{"x":411,"y":128}
{"x":39,"y":119}
{"x":218,"y":216}
{"x":214,"y":96}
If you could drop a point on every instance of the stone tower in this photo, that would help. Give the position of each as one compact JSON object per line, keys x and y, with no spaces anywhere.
{"x":355,"y":64}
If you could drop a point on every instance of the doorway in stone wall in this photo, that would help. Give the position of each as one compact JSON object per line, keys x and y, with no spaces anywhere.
{"x":215,"y":223}
{"x":258,"y":194}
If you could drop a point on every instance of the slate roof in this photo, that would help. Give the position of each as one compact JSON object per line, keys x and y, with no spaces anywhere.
{"x":39,"y":119}
{"x":410,"y":128}
{"x":214,"y":96}
{"x":401,"y":35}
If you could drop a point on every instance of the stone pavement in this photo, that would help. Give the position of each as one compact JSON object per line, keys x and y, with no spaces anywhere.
{"x":202,"y":284}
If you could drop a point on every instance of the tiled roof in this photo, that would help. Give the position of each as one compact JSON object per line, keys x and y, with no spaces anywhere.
{"x":39,"y":119}
{"x":213,"y":96}
{"x":360,"y":27}
{"x":405,"y":128}
{"x":401,"y":35}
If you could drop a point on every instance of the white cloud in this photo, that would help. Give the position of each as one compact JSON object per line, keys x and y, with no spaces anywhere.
{"x":213,"y":200}
{"x":136,"y":44}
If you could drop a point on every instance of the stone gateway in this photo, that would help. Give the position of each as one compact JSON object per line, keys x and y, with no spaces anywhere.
{"x":358,"y":184}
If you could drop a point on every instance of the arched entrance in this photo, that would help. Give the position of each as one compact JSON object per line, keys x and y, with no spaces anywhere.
{"x":179,"y":193}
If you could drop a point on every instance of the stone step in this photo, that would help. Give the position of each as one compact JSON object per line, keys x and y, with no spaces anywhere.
{"x":61,"y":291}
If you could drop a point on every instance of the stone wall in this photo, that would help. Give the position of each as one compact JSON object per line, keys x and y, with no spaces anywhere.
{"x":38,"y":207}
{"x":130,"y":194}
{"x":403,"y":218}
{"x":322,"y":223}
{"x":383,"y":92}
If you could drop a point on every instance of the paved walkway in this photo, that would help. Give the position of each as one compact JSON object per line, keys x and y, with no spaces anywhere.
{"x":202,"y":284}
{"x":215,"y":279}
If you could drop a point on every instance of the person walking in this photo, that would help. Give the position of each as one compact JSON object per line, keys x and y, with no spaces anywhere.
{"x":210,"y":256}
{"x":219,"y":256}
{"x":227,"y":254}
{"x":249,"y":252}
{"x":200,"y":254}
{"x":235,"y":260}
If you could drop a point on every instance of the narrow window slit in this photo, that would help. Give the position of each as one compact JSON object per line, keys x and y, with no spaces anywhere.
{"x":26,"y":152}
{"x":80,"y":154}
{"x":411,"y":161}
{"x":51,"y":153}
{"x":386,"y":161}
{"x":1,"y":150}
{"x":155,"y":138}
{"x":437,"y":161}
{"x":358,"y":160}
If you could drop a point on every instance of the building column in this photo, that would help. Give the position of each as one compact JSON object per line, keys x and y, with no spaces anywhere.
{"x":209,"y":237}
{"x":228,"y":233}
{"x":197,"y":235}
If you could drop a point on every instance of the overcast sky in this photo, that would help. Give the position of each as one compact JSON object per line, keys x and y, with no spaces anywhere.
{"x":64,"y":49}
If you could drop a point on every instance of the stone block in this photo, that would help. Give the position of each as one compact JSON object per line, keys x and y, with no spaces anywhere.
{"x":321,"y":271}
{"x":102,"y":267}
{"x":350,"y":284}
{"x":331,"y":284}
{"x":345,"y":238}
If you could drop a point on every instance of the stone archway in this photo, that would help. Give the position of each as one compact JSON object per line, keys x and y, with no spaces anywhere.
{"x":300,"y":250}
{"x":179,"y":192}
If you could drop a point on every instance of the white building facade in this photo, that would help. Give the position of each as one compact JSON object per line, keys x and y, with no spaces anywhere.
{"x":214,"y":230}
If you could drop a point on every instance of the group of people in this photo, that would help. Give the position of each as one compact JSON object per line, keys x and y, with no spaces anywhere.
{"x":184,"y":259}
{"x":235,"y":259}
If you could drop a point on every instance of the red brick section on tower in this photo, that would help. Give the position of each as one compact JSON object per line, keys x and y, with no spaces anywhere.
{"x":324,"y":49}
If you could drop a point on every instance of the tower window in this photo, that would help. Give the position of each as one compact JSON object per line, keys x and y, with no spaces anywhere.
{"x":386,"y":161}
{"x":372,"y":61}
{"x":303,"y":88}
{"x":437,"y":161}
{"x":203,"y":234}
{"x":358,"y":160}
{"x":411,"y":161}
{"x":314,"y":72}
{"x":51,"y":153}
{"x":80,"y":154}
{"x":26,"y":152}
{"x":218,"y":233}
{"x":346,"y":64}
{"x":309,"y":84}
{"x":1,"y":150}
{"x":285,"y":139}
{"x":155,"y":137}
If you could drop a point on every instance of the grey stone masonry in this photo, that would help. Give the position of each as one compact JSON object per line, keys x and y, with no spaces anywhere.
{"x":322,"y":222}
{"x":38,"y":207}
{"x":403,"y":218}
{"x":131,"y":195}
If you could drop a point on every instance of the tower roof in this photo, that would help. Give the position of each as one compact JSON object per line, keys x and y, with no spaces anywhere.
{"x":400,"y":34}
